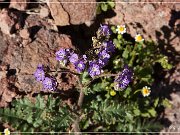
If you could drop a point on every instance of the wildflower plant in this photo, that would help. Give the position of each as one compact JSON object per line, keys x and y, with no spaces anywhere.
{"x":114,"y":80}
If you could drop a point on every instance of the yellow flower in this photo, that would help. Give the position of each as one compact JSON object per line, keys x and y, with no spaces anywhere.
{"x":6,"y":131}
{"x":146,"y":91}
{"x":139,"y":38}
{"x":121,"y":29}
{"x":112,"y":93}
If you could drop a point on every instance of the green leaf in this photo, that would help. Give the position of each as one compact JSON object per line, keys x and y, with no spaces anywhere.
{"x":107,"y":111}
{"x":113,"y":28}
{"x":85,"y":124}
{"x":117,"y":44}
{"x":85,"y":77}
{"x":29,"y":119}
{"x":40,"y":102}
{"x":127,"y":92}
{"x":156,"y":102}
{"x":152,"y":112}
{"x":137,"y":112}
{"x":129,"y":116}
{"x":164,"y":62}
{"x":25,"y":115}
{"x":125,"y":53}
{"x":145,"y":114}
{"x":166,"y":103}
{"x":51,"y":102}
{"x":104,"y":6}
{"x":98,"y":9}
{"x":111,"y":4}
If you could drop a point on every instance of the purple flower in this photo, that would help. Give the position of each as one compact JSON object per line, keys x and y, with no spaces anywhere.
{"x":94,"y":69}
{"x":49,"y":83}
{"x":61,"y":55}
{"x":92,"y":62}
{"x":102,"y":63}
{"x":40,"y":66}
{"x":80,"y":66}
{"x":73,"y":58}
{"x":84,"y":58}
{"x":103,"y":55}
{"x":123,"y":79}
{"x":39,"y":74}
{"x":103,"y":58}
{"x":109,"y":46}
{"x":104,"y":30}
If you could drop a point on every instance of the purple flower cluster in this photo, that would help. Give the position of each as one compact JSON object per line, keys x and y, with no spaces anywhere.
{"x":73,"y":58}
{"x":95,"y":66}
{"x":62,"y":55}
{"x":103,"y":57}
{"x":108,"y":46}
{"x":104,"y":30}
{"x":67,"y":55}
{"x":80,"y":65}
{"x":123,"y":79}
{"x":48,"y":83}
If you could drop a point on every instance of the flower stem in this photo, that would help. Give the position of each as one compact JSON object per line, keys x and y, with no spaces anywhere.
{"x":99,"y":76}
{"x":137,"y":91}
{"x":133,"y":56}
{"x":65,"y":71}
{"x":81,"y":95}
{"x":75,"y":125}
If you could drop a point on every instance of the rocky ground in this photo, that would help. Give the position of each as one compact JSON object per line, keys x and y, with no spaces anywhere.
{"x":31,"y":33}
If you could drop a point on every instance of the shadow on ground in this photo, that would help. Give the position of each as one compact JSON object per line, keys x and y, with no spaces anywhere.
{"x":81,"y":35}
{"x":165,"y":84}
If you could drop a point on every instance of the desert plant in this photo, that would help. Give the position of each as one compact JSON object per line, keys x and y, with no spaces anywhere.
{"x":114,"y":84}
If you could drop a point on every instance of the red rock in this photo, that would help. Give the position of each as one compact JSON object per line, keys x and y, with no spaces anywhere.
{"x":8,"y":21}
{"x":24,"y":33}
{"x":19,"y":4}
{"x":151,"y":17}
{"x":58,"y":13}
{"x":44,"y":12}
{"x":80,"y":12}
{"x":40,"y":51}
{"x":7,"y":94}
{"x":65,"y":13}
